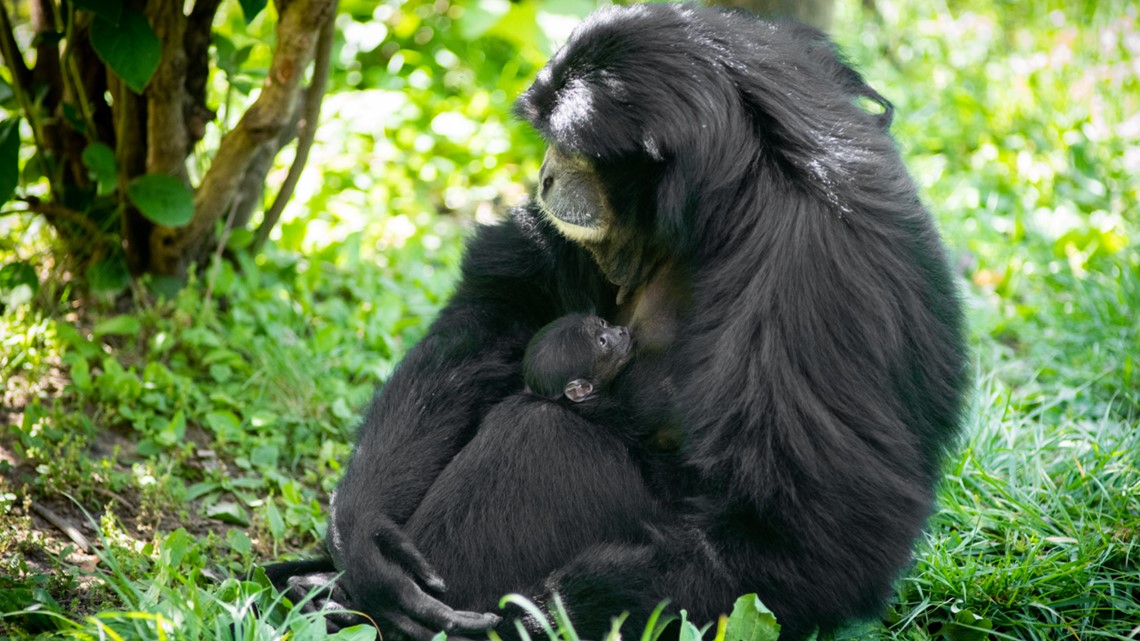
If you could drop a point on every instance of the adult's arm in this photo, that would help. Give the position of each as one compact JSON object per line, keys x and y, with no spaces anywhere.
{"x":516,"y":276}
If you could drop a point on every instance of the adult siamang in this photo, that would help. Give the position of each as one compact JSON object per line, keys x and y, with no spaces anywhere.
{"x":714,"y":182}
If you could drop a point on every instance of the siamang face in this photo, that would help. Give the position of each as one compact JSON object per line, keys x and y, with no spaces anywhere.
{"x":573,"y":197}
{"x":575,"y":356}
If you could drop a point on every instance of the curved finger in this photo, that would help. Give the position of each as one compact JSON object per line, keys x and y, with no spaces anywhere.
{"x":398,"y":547}
{"x":413,"y":630}
{"x":338,"y":616}
{"x":438,"y":615}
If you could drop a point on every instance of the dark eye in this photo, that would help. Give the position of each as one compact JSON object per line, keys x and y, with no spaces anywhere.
{"x":602,"y":340}
{"x":603,"y":322}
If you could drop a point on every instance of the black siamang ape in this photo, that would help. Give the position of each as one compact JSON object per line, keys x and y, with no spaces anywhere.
{"x":713,"y":182}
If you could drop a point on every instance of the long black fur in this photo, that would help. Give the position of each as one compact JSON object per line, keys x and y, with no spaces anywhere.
{"x":817,"y":377}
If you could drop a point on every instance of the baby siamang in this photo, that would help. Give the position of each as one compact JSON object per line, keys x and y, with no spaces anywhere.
{"x":714,"y":182}
{"x":574,"y":474}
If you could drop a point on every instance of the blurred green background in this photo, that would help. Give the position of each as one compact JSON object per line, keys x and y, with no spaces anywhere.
{"x":204,"y":428}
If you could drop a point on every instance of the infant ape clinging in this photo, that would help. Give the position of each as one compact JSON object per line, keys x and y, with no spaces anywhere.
{"x":567,"y":481}
{"x":575,"y":356}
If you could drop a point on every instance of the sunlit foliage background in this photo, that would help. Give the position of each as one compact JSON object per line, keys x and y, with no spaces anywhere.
{"x":227,"y":408}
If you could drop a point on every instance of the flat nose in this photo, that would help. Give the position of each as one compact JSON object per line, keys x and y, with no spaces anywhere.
{"x":546,"y":173}
{"x":545,"y":180}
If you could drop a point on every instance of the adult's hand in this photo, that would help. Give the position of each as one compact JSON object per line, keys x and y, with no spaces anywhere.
{"x":391,"y":581}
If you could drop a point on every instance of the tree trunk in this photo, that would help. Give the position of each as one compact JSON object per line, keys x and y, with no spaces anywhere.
{"x":79,"y":104}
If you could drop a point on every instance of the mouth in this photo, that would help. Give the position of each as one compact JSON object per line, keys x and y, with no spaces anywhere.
{"x":576,"y":225}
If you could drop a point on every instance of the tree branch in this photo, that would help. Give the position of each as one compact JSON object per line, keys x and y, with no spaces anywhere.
{"x":92,"y":81}
{"x":55,"y":212}
{"x":199,"y":27}
{"x":310,"y":117}
{"x":129,"y":113}
{"x":47,"y":72}
{"x":166,"y":138}
{"x":252,"y":189}
{"x":296,"y":35}
{"x":73,"y":82}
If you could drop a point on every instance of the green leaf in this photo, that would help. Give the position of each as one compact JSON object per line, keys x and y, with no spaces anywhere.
{"x":265,"y":456}
{"x":239,"y":239}
{"x":99,"y":159}
{"x":6,"y":92}
{"x":109,"y":10}
{"x":364,"y":632}
{"x":162,"y":199}
{"x":276,"y":523}
{"x":967,"y":626}
{"x":9,"y":158}
{"x":239,"y":542}
{"x":228,"y":512}
{"x":122,"y":325}
{"x":147,"y":447}
{"x":109,"y":275}
{"x":174,"y":431}
{"x":751,"y":620}
{"x":175,"y":547}
{"x":221,"y":372}
{"x":230,"y":58}
{"x":224,"y":423}
{"x":198,"y":490}
{"x":129,"y":48}
{"x":250,"y":8}
{"x":74,"y":118}
{"x":18,"y":273}
{"x":79,"y":371}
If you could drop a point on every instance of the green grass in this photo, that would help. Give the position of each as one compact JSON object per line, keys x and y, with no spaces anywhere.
{"x":205,"y":430}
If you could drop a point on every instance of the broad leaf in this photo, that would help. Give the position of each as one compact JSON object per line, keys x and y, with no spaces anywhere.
{"x":109,"y":10}
{"x":18,"y":273}
{"x":250,"y":8}
{"x":122,"y":325}
{"x":228,"y":512}
{"x":9,"y":158}
{"x":363,"y":632}
{"x":99,"y":159}
{"x":162,"y":199}
{"x":130,"y":48}
{"x":751,"y":620}
{"x":109,"y":275}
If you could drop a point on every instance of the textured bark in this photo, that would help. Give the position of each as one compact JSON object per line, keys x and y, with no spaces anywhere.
{"x":298,"y":24}
{"x":251,"y":192}
{"x":166,"y":137}
{"x":93,"y":83}
{"x":129,"y":112}
{"x":47,"y":72}
{"x":310,"y":117}
{"x":199,"y":27}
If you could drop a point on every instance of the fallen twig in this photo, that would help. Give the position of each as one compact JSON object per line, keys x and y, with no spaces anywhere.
{"x":63,"y":525}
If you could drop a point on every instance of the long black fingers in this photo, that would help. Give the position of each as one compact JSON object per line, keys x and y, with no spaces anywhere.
{"x":396,"y":545}
{"x":435,"y":614}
